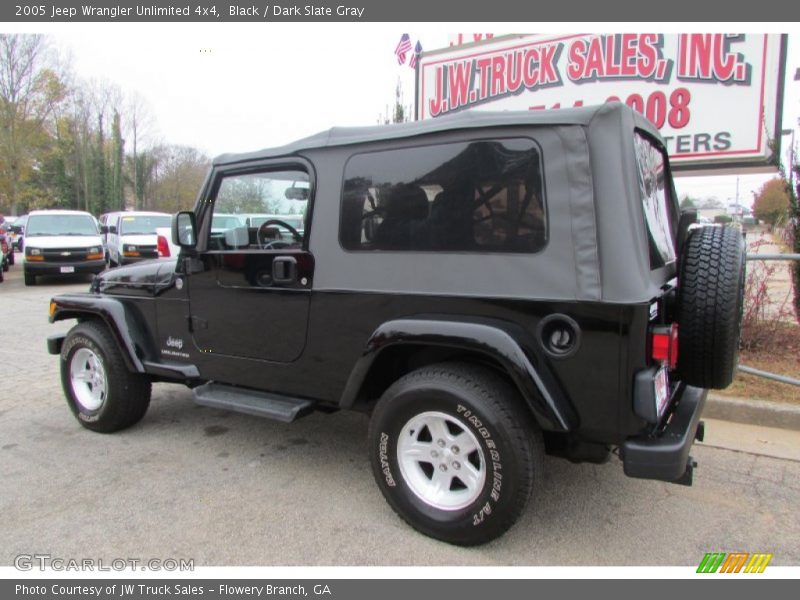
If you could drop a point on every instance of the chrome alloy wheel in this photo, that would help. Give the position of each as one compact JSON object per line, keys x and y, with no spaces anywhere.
{"x":88,"y":379}
{"x":441,"y":460}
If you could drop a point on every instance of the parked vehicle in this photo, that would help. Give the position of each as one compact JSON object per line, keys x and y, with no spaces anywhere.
{"x":488,"y":287}
{"x":61,"y":242}
{"x":5,"y":252}
{"x":18,"y":232}
{"x":6,"y":243}
{"x":131,"y":236}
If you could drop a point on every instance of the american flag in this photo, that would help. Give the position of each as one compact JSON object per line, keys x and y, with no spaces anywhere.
{"x":413,"y":62}
{"x":402,"y":48}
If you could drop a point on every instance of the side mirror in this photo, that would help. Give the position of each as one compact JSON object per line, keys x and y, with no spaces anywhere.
{"x":112,"y":229}
{"x":184,"y":230}
{"x":104,"y":229}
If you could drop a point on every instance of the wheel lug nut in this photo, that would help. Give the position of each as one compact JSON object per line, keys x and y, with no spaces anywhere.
{"x":434,"y":453}
{"x":441,"y":443}
{"x":455,"y":449}
{"x":456,"y":465}
{"x":443,"y":467}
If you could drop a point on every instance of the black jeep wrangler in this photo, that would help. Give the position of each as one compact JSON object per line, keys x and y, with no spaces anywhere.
{"x":488,"y":287}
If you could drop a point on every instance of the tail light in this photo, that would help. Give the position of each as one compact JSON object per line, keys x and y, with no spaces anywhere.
{"x":163,"y":247}
{"x":664,"y":341}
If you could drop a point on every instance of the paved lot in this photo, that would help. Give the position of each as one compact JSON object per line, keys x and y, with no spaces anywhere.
{"x":228,"y":489}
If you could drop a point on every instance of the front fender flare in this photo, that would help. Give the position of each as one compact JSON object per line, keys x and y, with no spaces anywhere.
{"x":506,"y":343}
{"x":122,"y":322}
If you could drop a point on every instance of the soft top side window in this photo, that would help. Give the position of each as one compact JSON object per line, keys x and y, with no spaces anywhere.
{"x":471,"y":196}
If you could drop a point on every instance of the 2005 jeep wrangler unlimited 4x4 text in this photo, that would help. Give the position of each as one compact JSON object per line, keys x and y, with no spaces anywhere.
{"x":487,"y":286}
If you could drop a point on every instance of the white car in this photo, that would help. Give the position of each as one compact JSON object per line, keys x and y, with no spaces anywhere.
{"x":131,"y":236}
{"x":61,"y":242}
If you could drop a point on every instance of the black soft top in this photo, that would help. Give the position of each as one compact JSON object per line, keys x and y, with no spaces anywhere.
{"x":343,"y":136}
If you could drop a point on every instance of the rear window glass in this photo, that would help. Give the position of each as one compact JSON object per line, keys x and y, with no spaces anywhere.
{"x":655,"y":192}
{"x":482,"y":196}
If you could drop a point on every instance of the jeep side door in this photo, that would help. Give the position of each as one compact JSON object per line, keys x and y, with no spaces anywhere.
{"x":249,"y":285}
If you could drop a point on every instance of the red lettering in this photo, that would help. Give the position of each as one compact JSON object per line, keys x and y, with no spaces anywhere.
{"x":594,"y":60}
{"x":530,"y":74}
{"x":627,"y":56}
{"x":577,"y":60}
{"x":483,"y":67}
{"x":435,"y":103}
{"x":612,"y":67}
{"x":648,"y":55}
{"x":498,"y":72}
{"x":724,"y":62}
{"x":514,"y":72}
{"x":549,"y":72}
{"x":459,"y":78}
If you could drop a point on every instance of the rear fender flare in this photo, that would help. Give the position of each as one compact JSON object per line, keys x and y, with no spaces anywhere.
{"x":506,"y":343}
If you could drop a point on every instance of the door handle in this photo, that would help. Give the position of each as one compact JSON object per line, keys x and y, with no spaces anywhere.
{"x":284,"y":270}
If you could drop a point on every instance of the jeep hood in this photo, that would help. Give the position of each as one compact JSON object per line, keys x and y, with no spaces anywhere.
{"x":148,"y":277}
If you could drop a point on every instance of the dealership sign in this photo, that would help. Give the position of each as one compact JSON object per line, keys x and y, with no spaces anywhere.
{"x":715,"y":97}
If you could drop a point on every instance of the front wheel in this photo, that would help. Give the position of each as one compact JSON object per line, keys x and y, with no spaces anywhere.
{"x":102,"y":394}
{"x":455,"y":453}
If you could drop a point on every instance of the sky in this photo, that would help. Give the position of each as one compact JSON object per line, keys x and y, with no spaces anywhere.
{"x":243,"y":86}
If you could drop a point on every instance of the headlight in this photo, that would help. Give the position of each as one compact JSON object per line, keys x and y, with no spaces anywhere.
{"x":93,"y":250}
{"x":128,"y":248}
{"x":33,"y":251}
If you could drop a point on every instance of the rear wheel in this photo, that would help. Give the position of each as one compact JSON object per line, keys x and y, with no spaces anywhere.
{"x":102,"y":394}
{"x":710,"y":304}
{"x":455,"y":453}
{"x":11,"y":257}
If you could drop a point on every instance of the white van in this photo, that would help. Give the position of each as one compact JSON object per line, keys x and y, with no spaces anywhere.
{"x":131,"y":236}
{"x":61,"y":242}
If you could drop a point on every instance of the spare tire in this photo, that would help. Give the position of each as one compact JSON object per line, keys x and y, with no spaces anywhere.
{"x":709,"y":309}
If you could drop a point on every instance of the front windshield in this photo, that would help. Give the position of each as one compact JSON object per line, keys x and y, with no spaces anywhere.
{"x":143,"y":225}
{"x":60,"y":225}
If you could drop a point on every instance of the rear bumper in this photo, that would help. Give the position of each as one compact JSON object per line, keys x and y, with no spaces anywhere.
{"x":665,"y":455}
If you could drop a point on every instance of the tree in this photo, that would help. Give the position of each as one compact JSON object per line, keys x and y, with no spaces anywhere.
{"x":772,"y":202}
{"x":29,"y":90}
{"x":178,"y":174}
{"x":687,"y":202}
{"x":710,"y":202}
{"x":139,"y":125}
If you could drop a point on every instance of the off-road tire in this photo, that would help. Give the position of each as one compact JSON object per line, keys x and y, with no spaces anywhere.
{"x":482,"y":403}
{"x":127,"y":394}
{"x":30,"y":278}
{"x":709,"y":308}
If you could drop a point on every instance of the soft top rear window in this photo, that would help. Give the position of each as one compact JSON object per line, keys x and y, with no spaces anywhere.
{"x":656,"y":194}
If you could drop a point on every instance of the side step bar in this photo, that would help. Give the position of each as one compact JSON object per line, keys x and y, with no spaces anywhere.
{"x":261,"y":404}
